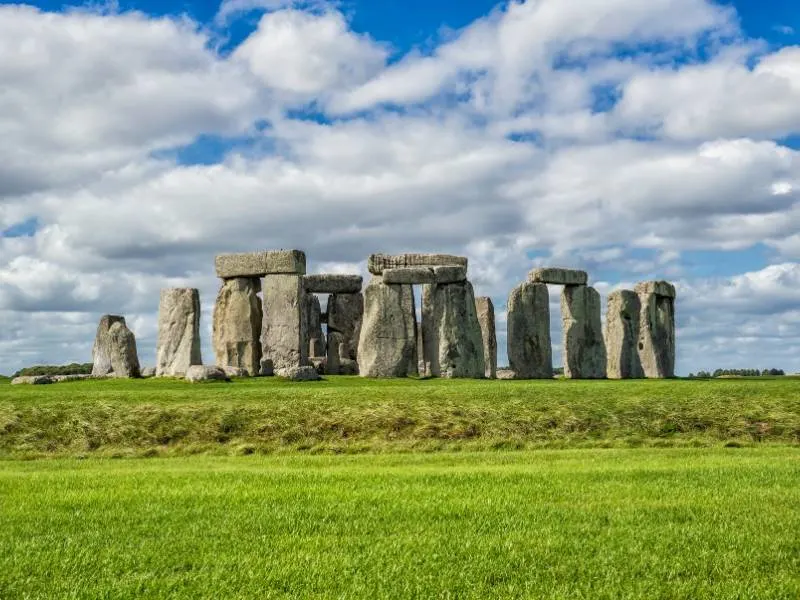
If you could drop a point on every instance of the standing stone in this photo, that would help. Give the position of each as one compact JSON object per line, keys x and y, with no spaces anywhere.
{"x":657,"y":329}
{"x":485,"y":309}
{"x":345,"y":313}
{"x":622,"y":335}
{"x":530,"y":355}
{"x":313,"y":316}
{"x":237,"y":325}
{"x":584,"y":347}
{"x":428,"y":340}
{"x":114,"y":352}
{"x":101,"y":351}
{"x":387,"y":344}
{"x":284,"y":337}
{"x":456,"y":345}
{"x":335,"y":345}
{"x":178,"y":345}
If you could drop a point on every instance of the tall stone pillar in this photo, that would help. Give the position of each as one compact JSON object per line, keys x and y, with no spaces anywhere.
{"x":178,"y":345}
{"x":454,"y":342}
{"x":236,"y":330}
{"x":657,"y":328}
{"x":284,"y":334}
{"x":387,"y":343}
{"x":622,"y":335}
{"x":529,"y":353}
{"x":485,"y":310}
{"x":584,"y":347}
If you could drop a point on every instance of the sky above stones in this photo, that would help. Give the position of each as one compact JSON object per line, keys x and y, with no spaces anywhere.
{"x":636,"y":140}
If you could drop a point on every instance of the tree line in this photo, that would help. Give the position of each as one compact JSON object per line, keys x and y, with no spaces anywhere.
{"x":737,"y":373}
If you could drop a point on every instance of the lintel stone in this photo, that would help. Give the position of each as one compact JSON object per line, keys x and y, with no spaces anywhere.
{"x":378,"y":263}
{"x":333,"y":284}
{"x":659,"y":288}
{"x":557,"y":276}
{"x":259,"y":264}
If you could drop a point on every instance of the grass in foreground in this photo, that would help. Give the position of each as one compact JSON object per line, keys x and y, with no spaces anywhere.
{"x":669,"y":523}
{"x":351,"y":415}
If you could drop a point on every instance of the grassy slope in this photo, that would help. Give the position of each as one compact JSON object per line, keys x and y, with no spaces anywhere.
{"x":668,"y":523}
{"x":146,"y":417}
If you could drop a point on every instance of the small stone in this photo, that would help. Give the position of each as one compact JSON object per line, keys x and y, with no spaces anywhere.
{"x":557,"y":276}
{"x":333,"y":284}
{"x":377,"y":263}
{"x":306,"y":373}
{"x":259,"y":264}
{"x":506,"y":374}
{"x":197,"y":373}
{"x":148,"y":371}
{"x":409,"y":275}
{"x":267,"y":368}
{"x":33,"y":380}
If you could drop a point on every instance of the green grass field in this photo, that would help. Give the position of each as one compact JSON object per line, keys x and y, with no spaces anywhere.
{"x":636,"y":523}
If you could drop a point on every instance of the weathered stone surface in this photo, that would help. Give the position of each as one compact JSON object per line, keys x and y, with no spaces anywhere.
{"x":284,"y":337}
{"x":584,"y":348}
{"x":178,"y":346}
{"x":72,"y":377}
{"x":333,"y":284}
{"x":258,"y":264}
{"x":656,"y":333}
{"x":450,"y":274}
{"x":237,"y":325}
{"x":316,"y":338}
{"x":101,"y":351}
{"x":558,"y":276}
{"x":305,"y":373}
{"x":148,"y":371}
{"x":506,"y":374}
{"x":335,"y":344}
{"x":622,"y":335}
{"x":659,"y":288}
{"x":409,"y":275}
{"x":33,"y":380}
{"x":485,"y":309}
{"x":377,"y":263}
{"x":267,"y":368}
{"x":235,"y":371}
{"x":530,"y":355}
{"x":320,"y":364}
{"x":387,"y":344}
{"x":348,"y":367}
{"x":122,"y":348}
{"x":345,"y":314}
{"x":198,"y":373}
{"x":455,"y":345}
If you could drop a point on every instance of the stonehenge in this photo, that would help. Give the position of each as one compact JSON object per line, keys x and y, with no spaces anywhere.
{"x":485,"y":310}
{"x":178,"y":346}
{"x":656,"y":344}
{"x":114,"y":351}
{"x":584,"y":346}
{"x":622,"y":335}
{"x":530,"y":355}
{"x":236,"y":324}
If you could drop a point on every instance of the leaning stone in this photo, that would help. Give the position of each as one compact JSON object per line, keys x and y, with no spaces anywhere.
{"x":377,"y":263}
{"x":450,"y":274}
{"x":456,"y":347}
{"x":387,"y":344}
{"x":236,"y":329}
{"x":558,"y":276}
{"x":306,"y":373}
{"x":409,"y":275}
{"x":258,"y":264}
{"x":528,"y":341}
{"x":333,"y":284}
{"x":345,"y":314}
{"x":178,"y":346}
{"x":622,"y":335}
{"x":485,"y":309}
{"x":506,"y":374}
{"x":284,"y":337}
{"x":197,"y":373}
{"x":659,"y":288}
{"x":122,"y":347}
{"x":583,"y":345}
{"x":656,"y":333}
{"x":33,"y":380}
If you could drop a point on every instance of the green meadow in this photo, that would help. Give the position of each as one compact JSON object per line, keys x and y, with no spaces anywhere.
{"x":348,"y":488}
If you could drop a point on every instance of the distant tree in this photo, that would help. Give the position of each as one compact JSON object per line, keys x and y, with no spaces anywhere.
{"x":70,"y":369}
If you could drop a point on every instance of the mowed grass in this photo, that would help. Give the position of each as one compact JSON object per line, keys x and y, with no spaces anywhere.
{"x":636,"y":523}
{"x":123,"y":418}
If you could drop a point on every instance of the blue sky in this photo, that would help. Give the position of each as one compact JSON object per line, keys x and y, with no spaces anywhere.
{"x":636,"y":140}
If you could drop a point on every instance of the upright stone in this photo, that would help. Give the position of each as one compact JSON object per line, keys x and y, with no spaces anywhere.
{"x":178,"y":345}
{"x":622,"y":335}
{"x":345,"y":313}
{"x":455,"y":332}
{"x":485,"y":309}
{"x":237,"y":325}
{"x":333,"y":362}
{"x":529,"y":353}
{"x":114,"y":352}
{"x":101,"y":351}
{"x":387,"y":344}
{"x":313,"y":316}
{"x":284,"y":337}
{"x":584,"y":347}
{"x":657,"y":328}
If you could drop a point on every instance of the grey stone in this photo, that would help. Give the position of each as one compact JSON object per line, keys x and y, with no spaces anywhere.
{"x":622,"y":335}
{"x":656,"y":333}
{"x":267,"y":368}
{"x":33,"y":380}
{"x":558,"y":276}
{"x":72,"y":377}
{"x":235,"y":371}
{"x":659,"y":288}
{"x":345,"y":314}
{"x":348,"y":367}
{"x":450,"y":274}
{"x":584,"y":347}
{"x":316,"y":338}
{"x":335,"y":344}
{"x":453,"y":334}
{"x":178,"y":346}
{"x":284,"y":337}
{"x":409,"y":275}
{"x":377,"y":263}
{"x":237,"y":325}
{"x":530,"y":355}
{"x":387,"y":344}
{"x":320,"y":364}
{"x":258,"y":264}
{"x":485,"y":309}
{"x":122,"y":347}
{"x":198,"y":373}
{"x":333,"y":284}
{"x":506,"y":374}
{"x":148,"y":371}
{"x":101,"y":350}
{"x":305,"y":373}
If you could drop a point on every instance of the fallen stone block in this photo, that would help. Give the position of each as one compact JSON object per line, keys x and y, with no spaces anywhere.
{"x":306,"y":373}
{"x":198,"y":373}
{"x":73,"y":377}
{"x":33,"y":380}
{"x":333,"y":284}
{"x":378,"y":263}
{"x":558,"y":276}
{"x":409,"y":275}
{"x":506,"y":374}
{"x":258,"y":264}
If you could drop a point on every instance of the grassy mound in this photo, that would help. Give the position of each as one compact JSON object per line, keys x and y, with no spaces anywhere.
{"x":351,"y":415}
